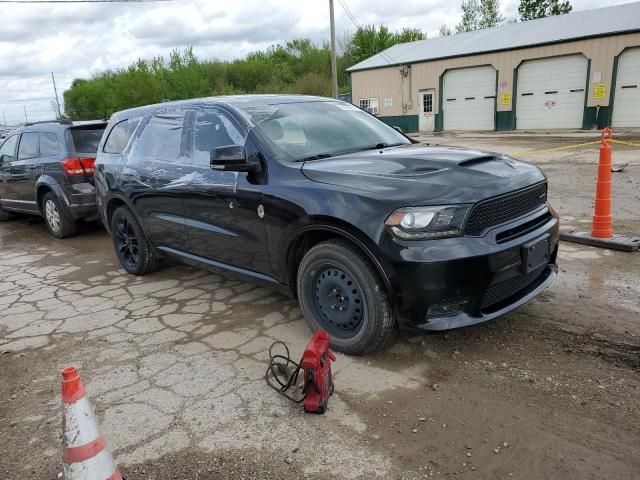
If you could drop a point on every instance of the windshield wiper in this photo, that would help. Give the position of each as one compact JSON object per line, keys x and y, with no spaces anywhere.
{"x":318,"y":156}
{"x":378,"y":146}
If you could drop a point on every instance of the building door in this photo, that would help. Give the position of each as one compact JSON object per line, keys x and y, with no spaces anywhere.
{"x":469,"y":99}
{"x":551,"y":93}
{"x":626,"y":108}
{"x":425,"y":119}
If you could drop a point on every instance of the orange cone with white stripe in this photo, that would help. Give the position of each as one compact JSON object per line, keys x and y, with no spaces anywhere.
{"x":85,"y":452}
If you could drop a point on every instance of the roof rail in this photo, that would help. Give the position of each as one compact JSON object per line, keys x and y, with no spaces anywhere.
{"x":61,"y":122}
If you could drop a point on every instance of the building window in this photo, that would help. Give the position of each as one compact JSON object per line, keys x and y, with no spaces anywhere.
{"x":370,"y":105}
{"x":427,"y":103}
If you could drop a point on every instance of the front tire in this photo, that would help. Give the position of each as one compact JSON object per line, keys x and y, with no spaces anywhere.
{"x":58,"y":221}
{"x":340,"y":292}
{"x":136,"y":255}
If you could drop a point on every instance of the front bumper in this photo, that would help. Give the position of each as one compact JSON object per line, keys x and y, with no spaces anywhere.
{"x":483,"y":276}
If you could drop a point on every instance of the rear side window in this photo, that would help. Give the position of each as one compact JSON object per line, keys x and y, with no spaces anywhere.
{"x":119,"y":136}
{"x":86,"y":139}
{"x":49,"y":144}
{"x":161,"y":138}
{"x":29,"y":146}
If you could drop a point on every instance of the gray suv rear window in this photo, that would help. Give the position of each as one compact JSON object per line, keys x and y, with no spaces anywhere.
{"x":86,"y":139}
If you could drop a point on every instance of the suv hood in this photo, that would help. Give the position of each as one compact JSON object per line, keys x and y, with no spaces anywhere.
{"x":423,"y":174}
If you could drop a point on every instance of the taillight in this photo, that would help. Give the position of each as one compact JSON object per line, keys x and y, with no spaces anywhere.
{"x":79,"y":165}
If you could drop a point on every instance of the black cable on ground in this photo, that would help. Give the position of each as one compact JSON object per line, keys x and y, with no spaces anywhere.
{"x":282,"y":373}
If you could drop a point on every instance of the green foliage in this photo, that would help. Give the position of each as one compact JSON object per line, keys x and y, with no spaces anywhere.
{"x":532,"y":9}
{"x":445,"y":30}
{"x":478,"y":14}
{"x":298,"y":66}
{"x":490,"y":15}
{"x":410,"y":35}
{"x":370,"y":40}
{"x":470,"y":16}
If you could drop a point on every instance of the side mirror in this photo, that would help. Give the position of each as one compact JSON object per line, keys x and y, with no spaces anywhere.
{"x":232,"y":158}
{"x":398,"y":129}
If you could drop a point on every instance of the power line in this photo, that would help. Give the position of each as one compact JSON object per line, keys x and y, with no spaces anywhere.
{"x":33,"y":99}
{"x":352,"y":17}
{"x":83,"y":1}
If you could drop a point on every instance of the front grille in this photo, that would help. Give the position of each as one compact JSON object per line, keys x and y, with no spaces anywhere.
{"x":498,"y":210}
{"x":508,"y":288}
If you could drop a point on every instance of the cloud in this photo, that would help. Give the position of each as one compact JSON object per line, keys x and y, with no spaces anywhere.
{"x":76,"y":40}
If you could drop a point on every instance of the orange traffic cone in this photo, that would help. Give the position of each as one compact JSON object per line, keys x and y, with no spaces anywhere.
{"x":602,"y":227}
{"x":85,"y":452}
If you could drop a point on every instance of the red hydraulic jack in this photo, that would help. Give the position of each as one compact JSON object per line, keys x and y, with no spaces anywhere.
{"x":282,"y":373}
{"x":601,"y":230}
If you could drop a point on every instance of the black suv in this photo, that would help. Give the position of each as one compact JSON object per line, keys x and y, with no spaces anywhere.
{"x":46,"y":169}
{"x":366,"y":228}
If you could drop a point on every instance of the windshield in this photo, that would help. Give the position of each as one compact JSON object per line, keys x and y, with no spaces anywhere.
{"x":312,"y":130}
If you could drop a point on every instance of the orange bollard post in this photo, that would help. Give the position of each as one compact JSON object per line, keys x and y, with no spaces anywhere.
{"x":602,"y":227}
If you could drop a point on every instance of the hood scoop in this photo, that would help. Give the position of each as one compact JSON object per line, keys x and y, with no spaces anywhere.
{"x":477,"y":160}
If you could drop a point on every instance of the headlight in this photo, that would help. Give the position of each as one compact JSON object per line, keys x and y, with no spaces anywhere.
{"x":418,"y":223}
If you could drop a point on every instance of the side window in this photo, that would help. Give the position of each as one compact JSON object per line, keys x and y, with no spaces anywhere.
{"x":49,"y":144}
{"x":29,"y":146}
{"x":161,"y":138}
{"x":8,"y":149}
{"x":120,"y":135}
{"x":212,"y":130}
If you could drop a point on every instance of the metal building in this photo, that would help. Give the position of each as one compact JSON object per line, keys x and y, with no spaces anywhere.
{"x":578,"y":70}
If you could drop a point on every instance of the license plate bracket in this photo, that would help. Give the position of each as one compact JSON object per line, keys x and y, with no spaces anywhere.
{"x":536,"y":253}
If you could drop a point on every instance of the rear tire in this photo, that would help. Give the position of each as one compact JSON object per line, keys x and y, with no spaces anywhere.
{"x":58,"y":221}
{"x":340,"y":292}
{"x":135,"y":253}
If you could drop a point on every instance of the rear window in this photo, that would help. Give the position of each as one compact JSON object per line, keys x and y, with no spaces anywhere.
{"x":86,"y":139}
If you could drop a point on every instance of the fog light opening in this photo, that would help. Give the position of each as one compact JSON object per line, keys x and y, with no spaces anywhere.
{"x":447,"y":307}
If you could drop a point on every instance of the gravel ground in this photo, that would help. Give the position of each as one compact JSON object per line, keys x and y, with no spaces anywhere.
{"x":174,"y":361}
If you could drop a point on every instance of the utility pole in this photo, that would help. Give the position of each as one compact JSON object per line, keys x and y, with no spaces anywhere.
{"x":55,"y":90}
{"x":4,"y":115}
{"x":334,"y":68}
{"x":26,"y":119}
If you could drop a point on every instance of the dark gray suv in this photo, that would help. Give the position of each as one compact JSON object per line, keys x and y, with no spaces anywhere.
{"x":46,"y":169}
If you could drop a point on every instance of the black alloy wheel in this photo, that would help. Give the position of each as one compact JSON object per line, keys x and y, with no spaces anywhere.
{"x":126,"y":242}
{"x":135,"y":253}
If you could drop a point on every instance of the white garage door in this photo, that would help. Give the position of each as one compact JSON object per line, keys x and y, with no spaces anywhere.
{"x":469,"y":99}
{"x":626,"y":106}
{"x":551,"y":93}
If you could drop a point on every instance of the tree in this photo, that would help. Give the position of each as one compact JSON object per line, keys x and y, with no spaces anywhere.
{"x":410,"y":35}
{"x":490,"y":15}
{"x":445,"y":31}
{"x":479,"y":14}
{"x":370,"y":40}
{"x":470,"y":16}
{"x":532,"y":9}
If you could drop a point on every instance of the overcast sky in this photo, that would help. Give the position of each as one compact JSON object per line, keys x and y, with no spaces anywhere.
{"x":77,"y":40}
